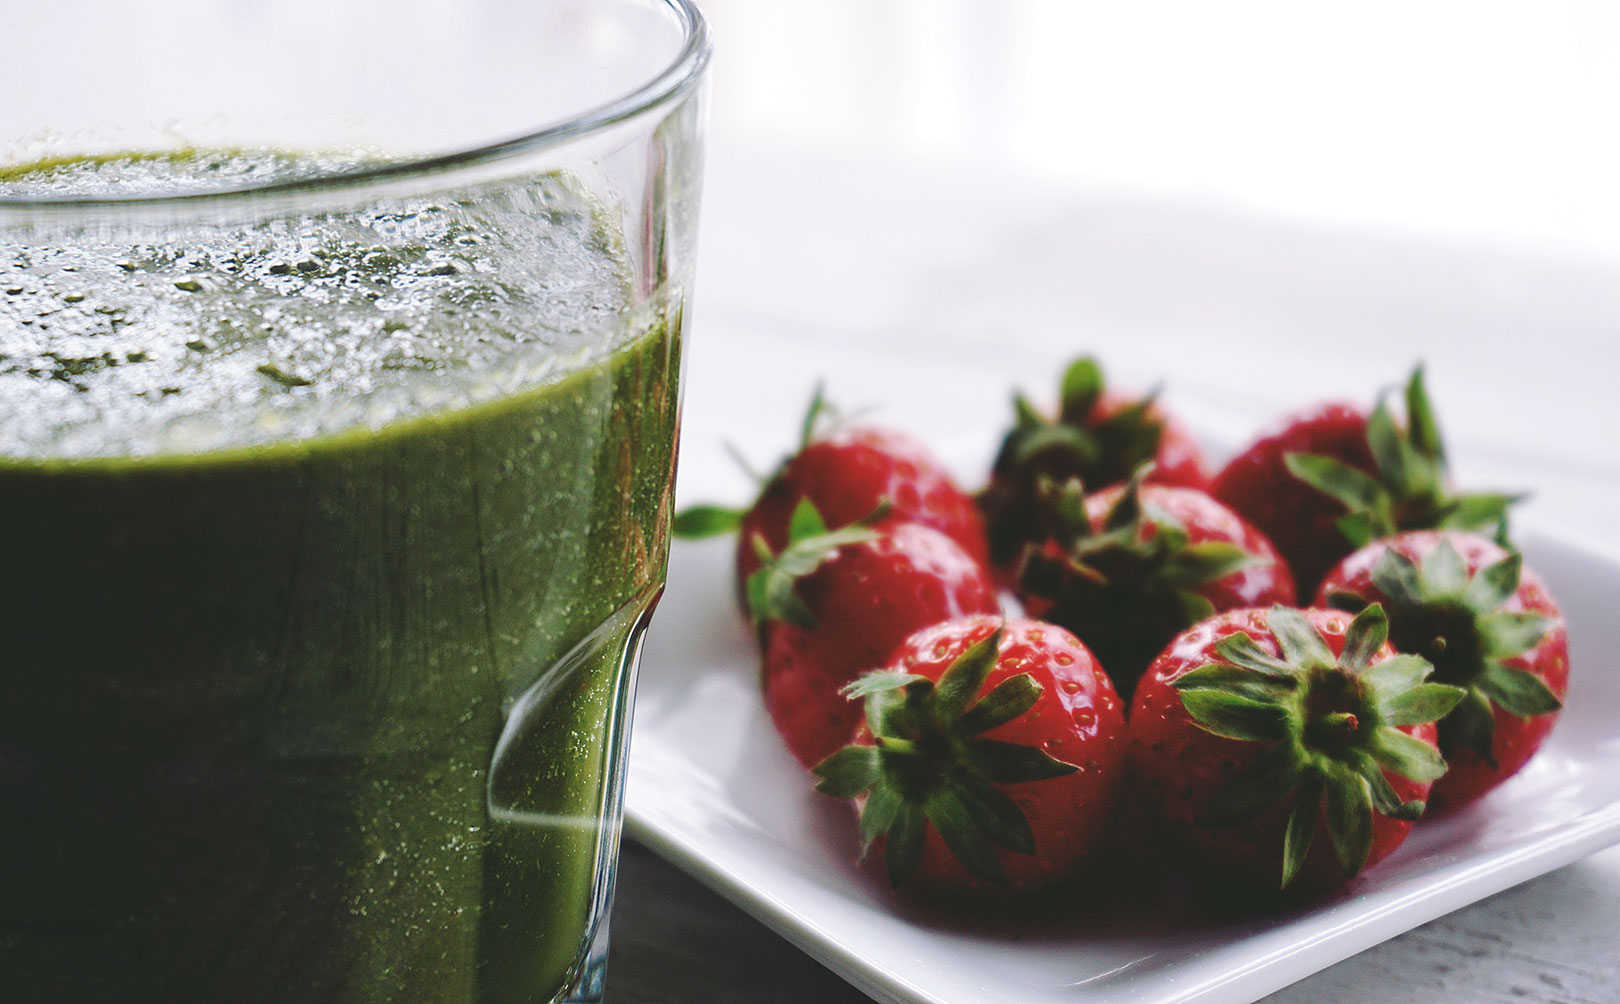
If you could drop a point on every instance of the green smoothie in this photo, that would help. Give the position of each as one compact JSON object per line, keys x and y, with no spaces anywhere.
{"x":331,"y":539}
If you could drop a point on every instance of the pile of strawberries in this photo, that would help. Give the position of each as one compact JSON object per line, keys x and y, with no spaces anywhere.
{"x":1282,"y":666}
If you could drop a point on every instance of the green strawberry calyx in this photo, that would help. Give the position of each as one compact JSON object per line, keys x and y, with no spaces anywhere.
{"x":772,"y":588}
{"x":699,"y":522}
{"x":930,"y":765}
{"x":1333,"y":728}
{"x":1128,"y":584}
{"x":1076,"y":443}
{"x":1409,"y":488}
{"x":1457,"y":622}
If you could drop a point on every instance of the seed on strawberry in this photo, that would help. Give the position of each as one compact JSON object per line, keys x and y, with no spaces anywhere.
{"x":1128,"y":567}
{"x":1488,"y":625}
{"x":991,"y":757}
{"x":847,"y":473}
{"x":1097,"y":436}
{"x":1258,"y":729}
{"x":833,"y":604}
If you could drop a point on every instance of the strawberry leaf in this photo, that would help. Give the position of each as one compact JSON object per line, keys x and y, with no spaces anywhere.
{"x":1492,"y":585}
{"x":1242,"y":650}
{"x":1081,"y":386}
{"x":961,"y":682}
{"x":1427,"y":702}
{"x":1442,"y":574}
{"x":1205,"y":561}
{"x":878,"y":815}
{"x":953,"y":822}
{"x":702,"y":521}
{"x":1045,"y":440}
{"x":1253,"y":790}
{"x":1385,"y":442}
{"x":892,"y":714}
{"x":1384,"y":798}
{"x":805,"y":522}
{"x":1026,"y":415}
{"x":1471,"y":725}
{"x":1365,"y":636}
{"x":1350,"y":818}
{"x":1484,"y":513}
{"x":1009,"y":763}
{"x":1009,"y":699}
{"x":849,"y":771}
{"x":1194,"y":606}
{"x":1065,"y":507}
{"x":1126,"y":512}
{"x":1396,"y":674}
{"x":1244,"y":681}
{"x":772,"y":589}
{"x":1355,"y":488}
{"x":818,"y":410}
{"x":771,"y":596}
{"x":1234,"y":717}
{"x":879,"y":681}
{"x":1301,"y":645}
{"x":1396,"y":576}
{"x":1517,"y":692}
{"x":1424,"y":428}
{"x":903,"y":848}
{"x":1301,"y":825}
{"x":1406,"y":755}
{"x":1507,"y":633}
{"x":996,"y":815}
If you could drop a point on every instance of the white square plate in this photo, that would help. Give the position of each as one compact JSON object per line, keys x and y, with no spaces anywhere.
{"x":713,"y":789}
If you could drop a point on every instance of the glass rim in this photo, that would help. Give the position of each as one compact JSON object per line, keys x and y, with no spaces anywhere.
{"x":673,"y":81}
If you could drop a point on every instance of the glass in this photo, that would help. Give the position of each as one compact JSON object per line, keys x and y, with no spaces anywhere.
{"x":339,"y":391}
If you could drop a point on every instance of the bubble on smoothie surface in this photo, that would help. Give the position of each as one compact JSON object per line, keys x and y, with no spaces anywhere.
{"x":199,"y":338}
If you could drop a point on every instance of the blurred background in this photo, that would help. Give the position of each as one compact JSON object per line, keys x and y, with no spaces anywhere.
{"x":1485,"y":119}
{"x":1254,"y":204}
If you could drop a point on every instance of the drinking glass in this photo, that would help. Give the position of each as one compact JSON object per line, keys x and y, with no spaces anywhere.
{"x":339,"y":389}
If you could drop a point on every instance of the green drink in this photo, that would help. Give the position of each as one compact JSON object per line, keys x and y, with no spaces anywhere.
{"x":334,"y":534}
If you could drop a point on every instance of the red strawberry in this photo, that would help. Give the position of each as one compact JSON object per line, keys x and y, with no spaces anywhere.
{"x":1258,"y":728}
{"x":1297,"y":518}
{"x":1138,"y":563}
{"x":834,"y":604}
{"x":1098,"y":436}
{"x":1333,"y":478}
{"x":991,"y":758}
{"x":847,"y":473}
{"x":1488,"y":625}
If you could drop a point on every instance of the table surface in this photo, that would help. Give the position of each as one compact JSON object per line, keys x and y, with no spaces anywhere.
{"x":1257,"y":205}
{"x":884,"y":275}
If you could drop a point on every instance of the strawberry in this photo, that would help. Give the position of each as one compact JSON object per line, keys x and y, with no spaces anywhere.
{"x":1129,"y":567}
{"x":847,"y":473}
{"x":1258,"y":728}
{"x":1299,"y":520}
{"x":1333,"y":478}
{"x":1097,"y":436}
{"x":835,"y":603}
{"x":1488,"y":625}
{"x":991,"y":757}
